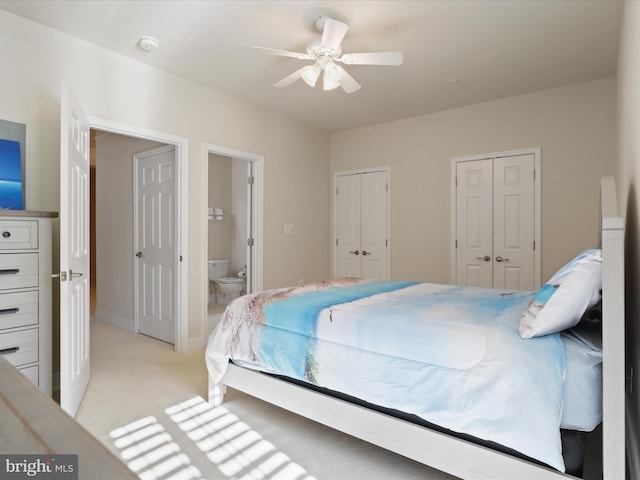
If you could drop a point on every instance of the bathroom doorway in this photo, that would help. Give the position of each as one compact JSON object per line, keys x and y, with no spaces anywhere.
{"x":233,"y":228}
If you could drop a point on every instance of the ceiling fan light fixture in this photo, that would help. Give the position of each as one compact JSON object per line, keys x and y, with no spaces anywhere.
{"x":326,"y":51}
{"x":310,"y":74}
{"x":331,"y":77}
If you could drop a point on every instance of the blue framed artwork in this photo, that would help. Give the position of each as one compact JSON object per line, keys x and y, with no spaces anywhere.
{"x":12,"y":165}
{"x":11,"y":185}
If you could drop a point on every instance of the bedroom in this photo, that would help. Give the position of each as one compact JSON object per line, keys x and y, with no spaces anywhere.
{"x":575,"y":124}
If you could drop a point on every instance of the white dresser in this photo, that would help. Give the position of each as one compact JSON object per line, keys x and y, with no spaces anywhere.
{"x":25,"y":293}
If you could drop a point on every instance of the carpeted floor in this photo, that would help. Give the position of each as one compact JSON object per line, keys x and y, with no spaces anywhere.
{"x":147,"y":404}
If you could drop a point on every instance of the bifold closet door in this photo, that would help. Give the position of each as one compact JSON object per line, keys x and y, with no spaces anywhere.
{"x":362,"y":225}
{"x":495,"y":223}
{"x":513,"y":223}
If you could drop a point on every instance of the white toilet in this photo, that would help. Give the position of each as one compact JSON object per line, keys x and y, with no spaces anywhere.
{"x":227,"y":288}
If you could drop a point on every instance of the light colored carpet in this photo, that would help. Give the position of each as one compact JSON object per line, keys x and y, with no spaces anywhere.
{"x":147,"y":404}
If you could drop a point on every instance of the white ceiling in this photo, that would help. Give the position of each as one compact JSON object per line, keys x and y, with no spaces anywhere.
{"x":492,"y":49}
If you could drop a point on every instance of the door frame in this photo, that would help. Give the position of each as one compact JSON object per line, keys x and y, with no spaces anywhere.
{"x":181,"y":263}
{"x":256,"y":217}
{"x":387,"y":170}
{"x":537,"y":161}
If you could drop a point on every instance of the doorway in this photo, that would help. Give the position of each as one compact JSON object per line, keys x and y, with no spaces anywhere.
{"x":233,"y":232}
{"x":112,"y":227}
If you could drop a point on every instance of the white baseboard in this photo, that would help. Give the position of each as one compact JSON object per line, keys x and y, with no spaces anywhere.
{"x":633,"y":446}
{"x":115,"y":320}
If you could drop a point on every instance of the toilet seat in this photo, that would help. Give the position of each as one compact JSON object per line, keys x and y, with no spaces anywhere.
{"x":230,"y":280}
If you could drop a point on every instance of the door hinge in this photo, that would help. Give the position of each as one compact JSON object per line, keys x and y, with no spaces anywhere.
{"x":456,"y":181}
{"x":386,"y":242}
{"x":336,"y":242}
{"x":180,"y":258}
{"x":386,"y":186}
{"x":534,"y":174}
{"x":250,"y":180}
{"x":534,"y":245}
{"x":250,"y":241}
{"x":456,"y":243}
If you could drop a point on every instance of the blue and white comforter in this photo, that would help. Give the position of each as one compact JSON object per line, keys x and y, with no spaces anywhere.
{"x":450,"y":355}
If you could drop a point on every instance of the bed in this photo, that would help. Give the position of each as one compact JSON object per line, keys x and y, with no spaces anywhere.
{"x":443,"y":385}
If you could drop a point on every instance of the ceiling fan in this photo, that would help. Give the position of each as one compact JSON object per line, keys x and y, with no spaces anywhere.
{"x":325,"y":52}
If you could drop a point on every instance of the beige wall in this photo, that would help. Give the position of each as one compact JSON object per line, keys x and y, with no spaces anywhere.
{"x":628,"y":182}
{"x":573,"y":125}
{"x":113,"y":87}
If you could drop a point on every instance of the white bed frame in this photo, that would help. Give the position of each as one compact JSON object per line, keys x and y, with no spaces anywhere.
{"x":452,"y":455}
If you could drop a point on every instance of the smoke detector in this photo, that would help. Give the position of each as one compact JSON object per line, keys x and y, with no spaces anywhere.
{"x":148,"y":44}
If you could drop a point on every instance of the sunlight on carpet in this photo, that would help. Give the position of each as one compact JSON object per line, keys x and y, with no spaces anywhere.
{"x":150,"y":452}
{"x":231,"y":445}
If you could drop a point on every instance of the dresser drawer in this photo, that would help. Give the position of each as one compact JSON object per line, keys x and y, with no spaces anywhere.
{"x":31,"y":373}
{"x":21,"y":347}
{"x":18,"y":234}
{"x":18,"y":270}
{"x":18,"y":309}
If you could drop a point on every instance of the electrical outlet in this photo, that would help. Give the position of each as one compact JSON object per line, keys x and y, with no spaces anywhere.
{"x":288,"y":228}
{"x":117,"y":287}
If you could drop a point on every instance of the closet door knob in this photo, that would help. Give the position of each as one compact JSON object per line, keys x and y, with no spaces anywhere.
{"x":364,"y":252}
{"x":6,"y":234}
{"x":486,"y":258}
{"x":356,"y":252}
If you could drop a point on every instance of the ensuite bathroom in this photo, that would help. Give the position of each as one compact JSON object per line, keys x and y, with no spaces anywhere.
{"x":227,"y":221}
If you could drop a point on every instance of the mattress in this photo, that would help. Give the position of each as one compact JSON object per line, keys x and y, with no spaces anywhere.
{"x":449,"y":355}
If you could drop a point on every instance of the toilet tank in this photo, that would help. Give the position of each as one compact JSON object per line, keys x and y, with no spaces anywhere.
{"x":218,"y":268}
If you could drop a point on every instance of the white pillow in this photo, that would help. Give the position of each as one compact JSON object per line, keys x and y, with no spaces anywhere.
{"x":562,"y":301}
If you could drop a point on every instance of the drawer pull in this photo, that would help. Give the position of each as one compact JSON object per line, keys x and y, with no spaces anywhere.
{"x":6,"y":234}
{"x":9,"y":311}
{"x":7,"y":351}
{"x":9,"y":271}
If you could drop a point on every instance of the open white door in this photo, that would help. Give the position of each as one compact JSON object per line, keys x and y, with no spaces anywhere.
{"x":74,"y":253}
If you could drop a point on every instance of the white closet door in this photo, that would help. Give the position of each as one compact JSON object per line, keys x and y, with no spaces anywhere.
{"x":513,"y":242}
{"x":495,"y":222}
{"x":362,"y":225}
{"x":474,"y":223}
{"x":155,"y":231}
{"x":373,"y":225}
{"x":348,"y":226}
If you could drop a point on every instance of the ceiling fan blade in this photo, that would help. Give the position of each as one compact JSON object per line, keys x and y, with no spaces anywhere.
{"x":372,"y":58}
{"x":289,"y":79}
{"x":285,"y":53}
{"x":333,"y":33}
{"x":348,"y":83}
